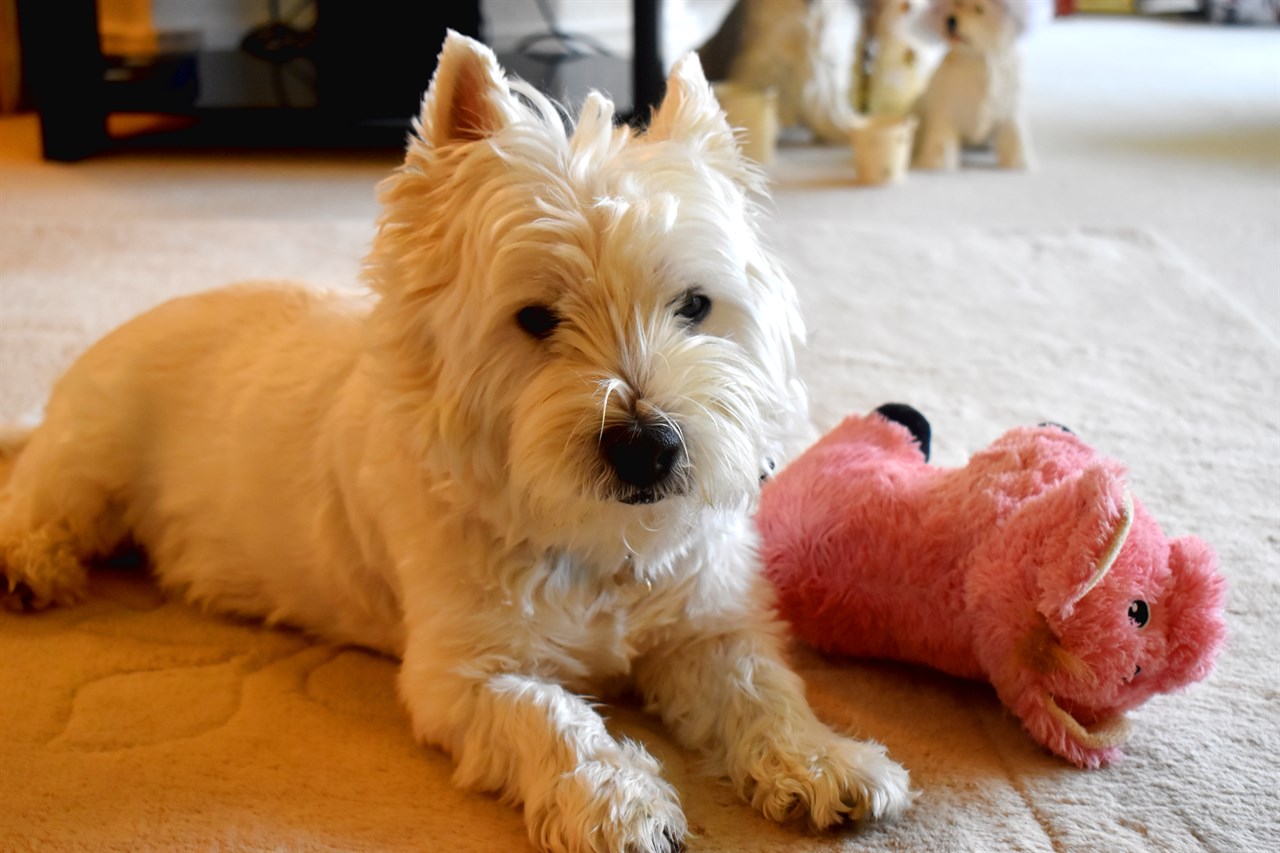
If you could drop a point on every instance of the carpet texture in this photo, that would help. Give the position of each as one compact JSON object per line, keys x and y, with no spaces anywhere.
{"x":134,"y":723}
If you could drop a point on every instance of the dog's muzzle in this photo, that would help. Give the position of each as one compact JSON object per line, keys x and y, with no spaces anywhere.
{"x":643,"y":455}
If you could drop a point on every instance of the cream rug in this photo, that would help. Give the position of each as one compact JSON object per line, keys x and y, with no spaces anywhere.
{"x":132,"y":723}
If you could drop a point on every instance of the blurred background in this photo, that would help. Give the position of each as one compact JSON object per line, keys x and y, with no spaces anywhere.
{"x":1152,"y":113}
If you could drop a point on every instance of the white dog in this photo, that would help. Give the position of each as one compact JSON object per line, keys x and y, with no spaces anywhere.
{"x":975,"y":94}
{"x":526,"y":468}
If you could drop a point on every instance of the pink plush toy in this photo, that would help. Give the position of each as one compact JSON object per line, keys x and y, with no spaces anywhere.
{"x":1031,"y":567}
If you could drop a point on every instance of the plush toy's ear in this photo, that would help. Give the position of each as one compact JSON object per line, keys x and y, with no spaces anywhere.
{"x":910,"y":417}
{"x":468,"y":98}
{"x":690,"y":112}
{"x":1193,"y":609}
{"x":1082,"y":524}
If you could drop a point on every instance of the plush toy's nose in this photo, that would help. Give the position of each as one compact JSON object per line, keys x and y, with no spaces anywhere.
{"x":641,"y":454}
{"x":952,"y":24}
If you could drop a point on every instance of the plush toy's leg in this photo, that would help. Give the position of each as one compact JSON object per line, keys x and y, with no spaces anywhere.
{"x":938,"y":146}
{"x":1012,"y":149}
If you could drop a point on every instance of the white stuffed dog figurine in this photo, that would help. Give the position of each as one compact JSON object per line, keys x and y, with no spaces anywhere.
{"x":974,"y":96}
{"x":802,"y":49}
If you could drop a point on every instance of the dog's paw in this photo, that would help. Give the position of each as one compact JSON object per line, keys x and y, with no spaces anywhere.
{"x":833,"y":780}
{"x":608,"y":807}
{"x":38,"y":571}
{"x":935,"y":158}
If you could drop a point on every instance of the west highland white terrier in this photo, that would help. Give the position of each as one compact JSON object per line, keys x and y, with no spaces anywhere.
{"x":526,"y":466}
{"x":975,"y":94}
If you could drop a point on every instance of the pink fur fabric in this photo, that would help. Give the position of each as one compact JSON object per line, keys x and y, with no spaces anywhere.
{"x":1031,"y":567}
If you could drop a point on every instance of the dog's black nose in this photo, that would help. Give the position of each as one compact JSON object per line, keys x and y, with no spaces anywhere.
{"x":641,"y":454}
{"x":951,"y":24}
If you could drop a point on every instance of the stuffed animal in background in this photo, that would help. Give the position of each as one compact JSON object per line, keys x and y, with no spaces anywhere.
{"x":892,"y":68}
{"x":1031,"y":567}
{"x":975,"y":94}
{"x":801,"y":49}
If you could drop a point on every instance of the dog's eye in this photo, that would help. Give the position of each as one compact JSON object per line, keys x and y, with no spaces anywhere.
{"x":1139,"y":613}
{"x":694,"y":307}
{"x":538,"y":321}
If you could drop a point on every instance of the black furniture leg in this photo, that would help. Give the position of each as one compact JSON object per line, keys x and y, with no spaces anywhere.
{"x":63,"y":64}
{"x":647,"y":80}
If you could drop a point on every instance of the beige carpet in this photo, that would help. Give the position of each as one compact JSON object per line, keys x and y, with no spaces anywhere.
{"x":132,"y":723}
{"x":1130,"y":289}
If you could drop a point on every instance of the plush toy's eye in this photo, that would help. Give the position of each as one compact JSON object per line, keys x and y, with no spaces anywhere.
{"x":694,"y":307}
{"x":1139,"y":613}
{"x":538,"y":321}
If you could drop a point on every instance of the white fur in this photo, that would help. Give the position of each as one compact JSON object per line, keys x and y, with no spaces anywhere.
{"x":415,"y":473}
{"x":803,"y":49}
{"x":975,"y":94}
{"x":893,"y":61}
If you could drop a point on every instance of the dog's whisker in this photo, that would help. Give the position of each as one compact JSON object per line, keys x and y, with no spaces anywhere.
{"x":610,"y":385}
{"x":711,"y":419}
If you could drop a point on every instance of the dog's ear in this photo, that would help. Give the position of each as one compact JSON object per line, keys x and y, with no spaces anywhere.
{"x":468,"y":98}
{"x":690,"y":113}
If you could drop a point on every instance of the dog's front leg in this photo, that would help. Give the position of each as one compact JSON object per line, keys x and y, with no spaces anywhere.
{"x":1012,"y":149}
{"x":536,"y":743}
{"x":938,"y":146}
{"x":732,"y":696}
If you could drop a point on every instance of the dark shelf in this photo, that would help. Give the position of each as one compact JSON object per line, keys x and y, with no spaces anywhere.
{"x":356,"y":86}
